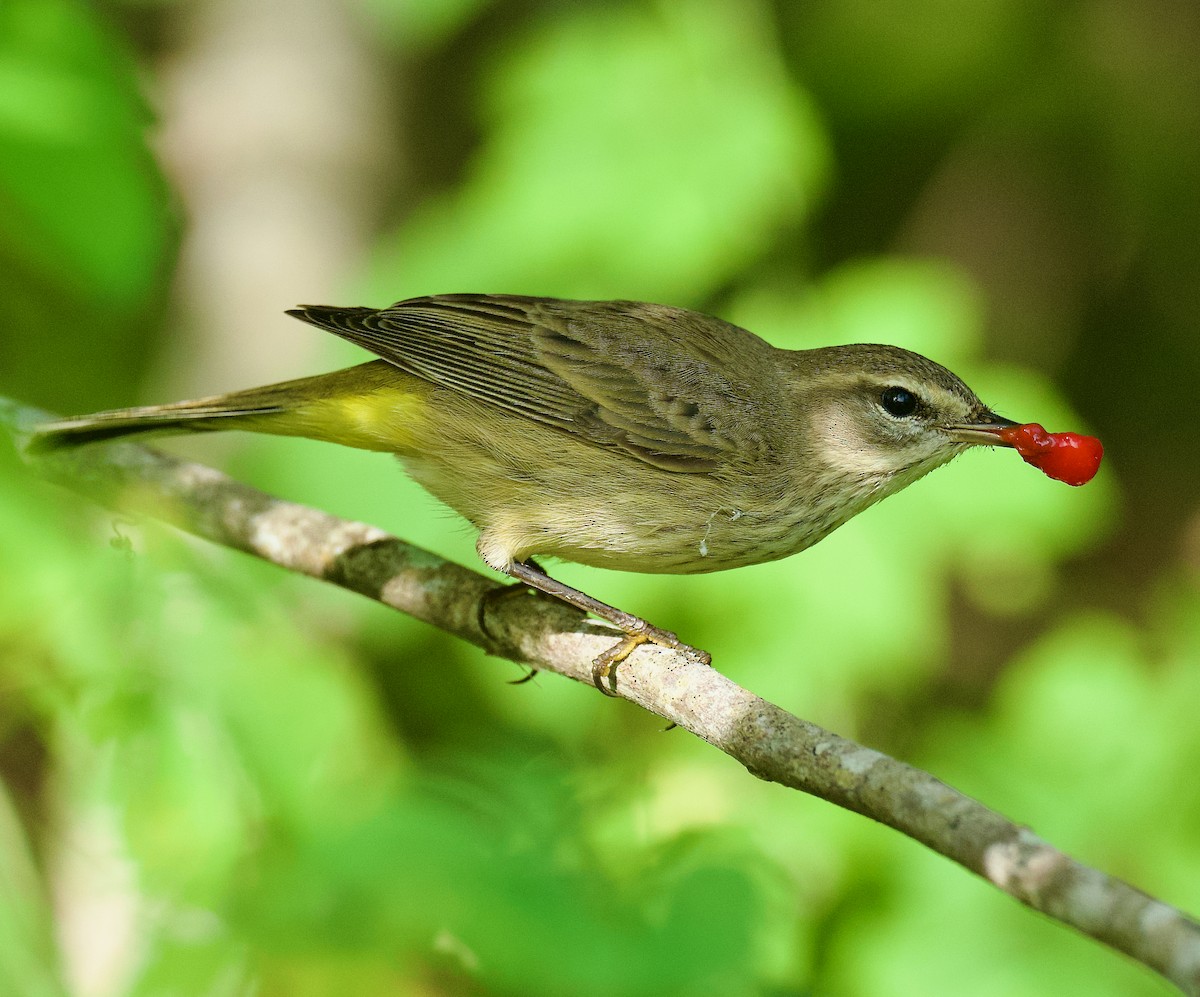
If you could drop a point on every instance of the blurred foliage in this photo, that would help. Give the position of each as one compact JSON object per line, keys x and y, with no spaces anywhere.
{"x":219,"y":780}
{"x":653,"y":152}
{"x":85,"y":225}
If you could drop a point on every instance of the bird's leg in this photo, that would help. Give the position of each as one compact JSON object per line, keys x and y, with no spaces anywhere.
{"x":637,"y":630}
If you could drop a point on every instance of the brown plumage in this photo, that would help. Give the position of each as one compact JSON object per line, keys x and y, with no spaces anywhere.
{"x":615,"y":433}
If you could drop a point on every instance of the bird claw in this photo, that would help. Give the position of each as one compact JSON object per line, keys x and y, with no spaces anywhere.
{"x":494,"y":595}
{"x":604,"y":666}
{"x":637,"y":631}
{"x":487,"y":600}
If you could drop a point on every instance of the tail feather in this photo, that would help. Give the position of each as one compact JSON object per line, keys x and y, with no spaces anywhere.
{"x":161,"y":420}
{"x":356,"y":407}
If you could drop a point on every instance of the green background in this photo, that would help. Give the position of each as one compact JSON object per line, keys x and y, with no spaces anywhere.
{"x":217,"y":779}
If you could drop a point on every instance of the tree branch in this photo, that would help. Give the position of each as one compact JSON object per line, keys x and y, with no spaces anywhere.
{"x":770,"y":742}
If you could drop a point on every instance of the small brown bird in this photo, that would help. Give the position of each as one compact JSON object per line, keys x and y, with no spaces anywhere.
{"x":614,"y":433}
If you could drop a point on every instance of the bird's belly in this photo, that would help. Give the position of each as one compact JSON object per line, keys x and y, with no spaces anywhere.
{"x":683,"y":524}
{"x":692,"y":542}
{"x":542,"y":494}
{"x":656,"y":532}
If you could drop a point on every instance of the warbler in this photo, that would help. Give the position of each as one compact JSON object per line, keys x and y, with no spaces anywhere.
{"x":620,"y":434}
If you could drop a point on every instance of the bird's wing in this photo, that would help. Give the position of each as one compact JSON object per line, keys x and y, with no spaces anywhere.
{"x":669,"y":386}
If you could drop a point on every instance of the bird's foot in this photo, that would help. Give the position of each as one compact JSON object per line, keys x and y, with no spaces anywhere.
{"x":637,"y":633}
{"x":488,"y":601}
{"x":493,"y":596}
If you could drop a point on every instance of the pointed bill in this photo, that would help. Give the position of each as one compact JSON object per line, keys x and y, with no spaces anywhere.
{"x":985,"y":432}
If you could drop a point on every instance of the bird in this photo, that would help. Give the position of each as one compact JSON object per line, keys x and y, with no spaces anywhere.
{"x":620,"y":434}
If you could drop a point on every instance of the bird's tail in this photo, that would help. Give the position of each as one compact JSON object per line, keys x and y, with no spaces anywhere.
{"x":346,"y":406}
{"x":163,"y":420}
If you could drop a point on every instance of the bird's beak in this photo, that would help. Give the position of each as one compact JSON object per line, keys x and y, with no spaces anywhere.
{"x":986,"y":431}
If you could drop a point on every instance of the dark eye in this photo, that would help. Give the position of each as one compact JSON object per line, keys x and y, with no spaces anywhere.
{"x":898,"y":401}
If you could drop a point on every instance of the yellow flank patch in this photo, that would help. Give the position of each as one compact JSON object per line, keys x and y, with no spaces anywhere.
{"x":378,"y":419}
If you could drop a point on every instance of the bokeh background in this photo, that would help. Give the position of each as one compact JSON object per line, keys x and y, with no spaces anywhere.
{"x":218,"y":779}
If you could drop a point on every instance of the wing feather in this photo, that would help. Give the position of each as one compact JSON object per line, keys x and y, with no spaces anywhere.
{"x":675,"y":388}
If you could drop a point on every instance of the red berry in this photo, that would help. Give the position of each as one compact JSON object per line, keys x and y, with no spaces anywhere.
{"x":1067,"y":457}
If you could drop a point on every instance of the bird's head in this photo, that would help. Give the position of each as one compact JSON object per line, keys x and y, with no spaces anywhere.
{"x":884,"y":416}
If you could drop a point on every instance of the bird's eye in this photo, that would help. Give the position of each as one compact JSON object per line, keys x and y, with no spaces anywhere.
{"x":898,"y":401}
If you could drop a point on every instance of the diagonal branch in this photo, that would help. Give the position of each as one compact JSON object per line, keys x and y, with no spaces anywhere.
{"x":770,"y":742}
